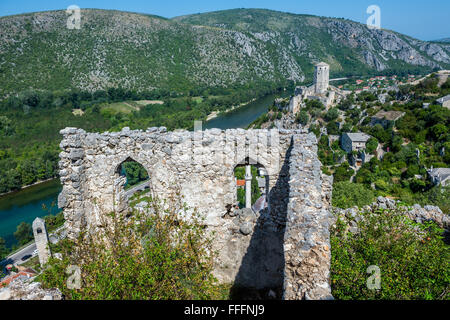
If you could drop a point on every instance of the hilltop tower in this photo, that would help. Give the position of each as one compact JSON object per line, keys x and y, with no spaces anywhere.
{"x":321,"y":77}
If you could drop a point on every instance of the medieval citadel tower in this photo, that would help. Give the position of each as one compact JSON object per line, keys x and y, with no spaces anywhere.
{"x":314,"y":92}
{"x":321,"y":77}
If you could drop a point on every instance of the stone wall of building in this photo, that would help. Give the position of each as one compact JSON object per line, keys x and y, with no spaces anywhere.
{"x":321,"y":77}
{"x":307,"y":247}
{"x":200,"y":166}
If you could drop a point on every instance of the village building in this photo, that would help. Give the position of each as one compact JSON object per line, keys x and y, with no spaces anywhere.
{"x":444,"y":101}
{"x":354,"y":142}
{"x":386,"y":118}
{"x":440,"y":176}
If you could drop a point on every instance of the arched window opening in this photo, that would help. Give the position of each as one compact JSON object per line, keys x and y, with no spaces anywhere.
{"x":252,"y":186}
{"x":134,"y":173}
{"x":134,"y":183}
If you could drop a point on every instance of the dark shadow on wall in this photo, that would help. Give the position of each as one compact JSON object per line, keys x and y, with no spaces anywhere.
{"x":261,"y":274}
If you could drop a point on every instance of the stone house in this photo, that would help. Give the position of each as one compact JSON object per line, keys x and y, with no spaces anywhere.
{"x":354,"y":141}
{"x":440,"y":176}
{"x":444,"y":101}
{"x":386,"y":118}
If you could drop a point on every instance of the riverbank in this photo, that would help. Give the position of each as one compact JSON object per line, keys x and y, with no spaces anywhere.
{"x":28,"y":186}
{"x":215,"y":114}
{"x":242,"y":115}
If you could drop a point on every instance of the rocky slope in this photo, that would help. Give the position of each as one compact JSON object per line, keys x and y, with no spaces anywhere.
{"x":226,"y":48}
{"x":339,"y":42}
{"x":416,"y":213}
{"x":23,"y":288}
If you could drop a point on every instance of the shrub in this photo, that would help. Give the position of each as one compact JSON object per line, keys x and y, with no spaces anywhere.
{"x":413,"y":259}
{"x":382,"y":185}
{"x":372,"y":145}
{"x":347,"y":194}
{"x":152,"y":255}
{"x":302,"y":118}
{"x":343,"y":172}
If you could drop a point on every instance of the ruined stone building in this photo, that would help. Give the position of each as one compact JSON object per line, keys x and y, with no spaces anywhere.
{"x":386,"y":118}
{"x":320,"y":90}
{"x":285,"y":245}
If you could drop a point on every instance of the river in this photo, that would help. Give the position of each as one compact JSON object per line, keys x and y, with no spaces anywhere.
{"x":26,"y":205}
{"x":245,"y":115}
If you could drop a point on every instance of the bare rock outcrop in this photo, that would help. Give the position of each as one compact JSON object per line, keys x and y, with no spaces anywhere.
{"x":23,"y":288}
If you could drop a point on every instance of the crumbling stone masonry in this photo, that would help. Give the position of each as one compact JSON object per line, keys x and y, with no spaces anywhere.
{"x":284,"y":246}
{"x":41,"y":240}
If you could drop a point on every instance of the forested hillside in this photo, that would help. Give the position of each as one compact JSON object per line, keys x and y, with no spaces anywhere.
{"x":220,"y":49}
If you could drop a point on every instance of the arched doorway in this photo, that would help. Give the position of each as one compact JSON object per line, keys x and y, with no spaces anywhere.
{"x":252,"y":186}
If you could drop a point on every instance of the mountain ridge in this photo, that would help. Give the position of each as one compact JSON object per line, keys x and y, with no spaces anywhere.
{"x":230,"y":48}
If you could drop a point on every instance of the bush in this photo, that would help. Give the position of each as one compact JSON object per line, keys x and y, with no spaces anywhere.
{"x":343,"y":172}
{"x":413,"y":259}
{"x":302,"y":118}
{"x":382,"y":185}
{"x":347,"y":194}
{"x":372,"y":145}
{"x":153,"y":255}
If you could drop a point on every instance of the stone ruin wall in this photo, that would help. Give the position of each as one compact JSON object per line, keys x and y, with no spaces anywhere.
{"x":285,"y":246}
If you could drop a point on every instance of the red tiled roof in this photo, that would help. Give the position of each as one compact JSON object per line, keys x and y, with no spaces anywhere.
{"x":9,"y":279}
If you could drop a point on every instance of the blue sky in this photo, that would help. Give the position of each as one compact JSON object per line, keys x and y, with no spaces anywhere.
{"x":426,"y":20}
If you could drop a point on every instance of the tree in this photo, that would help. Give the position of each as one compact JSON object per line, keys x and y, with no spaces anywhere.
{"x":3,"y":249}
{"x":343,"y":172}
{"x":135,"y":173}
{"x":371,"y":145}
{"x":333,"y":128}
{"x":332,"y":114}
{"x":24,"y":233}
{"x":439,"y":130}
{"x":417,"y":185}
{"x":256,"y":193}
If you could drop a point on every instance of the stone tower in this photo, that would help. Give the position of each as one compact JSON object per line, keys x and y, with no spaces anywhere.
{"x":41,"y":240}
{"x":321,"y":77}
